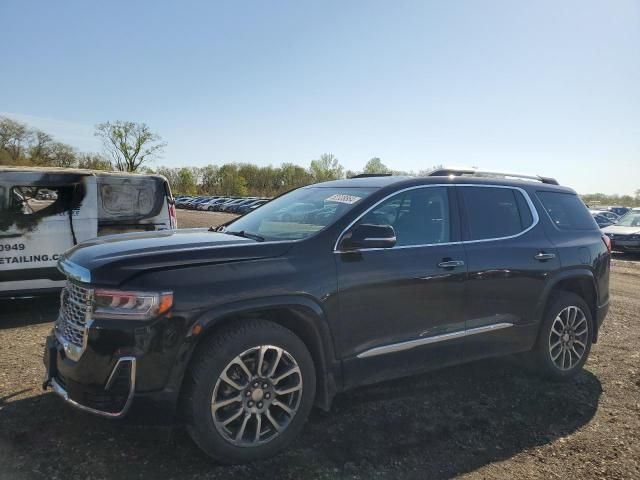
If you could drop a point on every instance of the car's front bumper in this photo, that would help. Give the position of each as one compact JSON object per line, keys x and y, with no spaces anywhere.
{"x":625,"y":245}
{"x":121,"y":366}
{"x":112,"y":399}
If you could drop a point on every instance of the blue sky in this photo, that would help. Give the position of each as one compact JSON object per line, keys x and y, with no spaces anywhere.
{"x":542,"y":87}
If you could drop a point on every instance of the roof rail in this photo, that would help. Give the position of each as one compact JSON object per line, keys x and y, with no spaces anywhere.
{"x":472,"y":172}
{"x":367,"y":175}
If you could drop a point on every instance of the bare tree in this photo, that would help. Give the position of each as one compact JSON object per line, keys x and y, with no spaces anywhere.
{"x":13,"y":137}
{"x":129,"y":144}
{"x":40,"y":149}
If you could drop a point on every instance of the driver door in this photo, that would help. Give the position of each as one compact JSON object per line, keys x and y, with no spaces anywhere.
{"x":401,"y":307}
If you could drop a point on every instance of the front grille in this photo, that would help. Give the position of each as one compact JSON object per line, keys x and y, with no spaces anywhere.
{"x":75,"y":311}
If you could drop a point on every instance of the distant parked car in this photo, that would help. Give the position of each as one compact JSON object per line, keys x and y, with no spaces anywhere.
{"x":209,"y":205}
{"x":618,"y":210}
{"x":194,"y":204}
{"x":204,"y":205}
{"x":182,"y":201}
{"x":225,"y":206}
{"x":218,"y":207}
{"x":244,"y":209}
{"x":601,"y":219}
{"x":614,"y":217}
{"x":625,"y":234}
{"x":234,"y":208}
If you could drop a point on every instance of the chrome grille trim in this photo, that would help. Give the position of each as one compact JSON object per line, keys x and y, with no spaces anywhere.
{"x":74,"y":319}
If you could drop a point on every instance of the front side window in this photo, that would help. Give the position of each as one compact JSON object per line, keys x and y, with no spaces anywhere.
{"x":419,"y":216}
{"x":493,"y":212}
{"x":300,"y":213}
{"x":566,"y":210}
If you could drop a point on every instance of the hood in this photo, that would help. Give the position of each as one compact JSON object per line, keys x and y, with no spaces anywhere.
{"x":620,"y":230}
{"x":111,"y":260}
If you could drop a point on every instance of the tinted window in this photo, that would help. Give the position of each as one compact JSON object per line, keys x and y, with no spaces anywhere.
{"x":419,"y":216}
{"x":495,"y":212}
{"x":567,"y":211}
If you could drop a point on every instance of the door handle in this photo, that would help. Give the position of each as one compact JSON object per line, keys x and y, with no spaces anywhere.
{"x":451,"y":264}
{"x":541,"y":256}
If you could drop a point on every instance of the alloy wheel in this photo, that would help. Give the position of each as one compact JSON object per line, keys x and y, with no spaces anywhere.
{"x":568,"y":338}
{"x":256,"y":396}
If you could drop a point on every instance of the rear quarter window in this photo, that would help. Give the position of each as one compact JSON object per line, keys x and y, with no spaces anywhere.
{"x":494,"y":212}
{"x":566,"y":211}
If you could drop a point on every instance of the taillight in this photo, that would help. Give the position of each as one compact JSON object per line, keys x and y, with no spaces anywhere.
{"x":607,"y":242}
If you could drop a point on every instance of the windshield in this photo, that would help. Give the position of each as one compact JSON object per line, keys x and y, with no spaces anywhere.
{"x":631,"y":219}
{"x":300,"y":213}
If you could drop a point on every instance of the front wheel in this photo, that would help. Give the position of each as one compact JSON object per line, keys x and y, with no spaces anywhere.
{"x":565,"y":338}
{"x":250,"y":390}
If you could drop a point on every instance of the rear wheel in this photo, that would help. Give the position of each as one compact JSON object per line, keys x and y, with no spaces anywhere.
{"x":250,"y":390}
{"x":565,"y":338}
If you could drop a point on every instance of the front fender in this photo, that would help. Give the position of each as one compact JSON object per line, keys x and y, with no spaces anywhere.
{"x":305,"y":317}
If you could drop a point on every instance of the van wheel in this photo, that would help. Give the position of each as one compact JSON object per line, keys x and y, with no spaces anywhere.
{"x":565,"y":337}
{"x":249,"y":392}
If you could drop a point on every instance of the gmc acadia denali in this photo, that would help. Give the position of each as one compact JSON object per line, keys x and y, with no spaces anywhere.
{"x":243,"y":328}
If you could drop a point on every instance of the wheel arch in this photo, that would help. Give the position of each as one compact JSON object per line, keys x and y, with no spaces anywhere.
{"x":303,"y":316}
{"x":581,"y":282}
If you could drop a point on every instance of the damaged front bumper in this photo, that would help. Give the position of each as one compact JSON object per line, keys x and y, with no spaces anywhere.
{"x":113,"y":399}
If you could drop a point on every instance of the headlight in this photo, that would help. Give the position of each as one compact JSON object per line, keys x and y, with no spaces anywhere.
{"x":118,"y":304}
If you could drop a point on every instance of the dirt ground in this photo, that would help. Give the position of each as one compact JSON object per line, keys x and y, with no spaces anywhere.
{"x":491,"y":419}
{"x":194,"y":218}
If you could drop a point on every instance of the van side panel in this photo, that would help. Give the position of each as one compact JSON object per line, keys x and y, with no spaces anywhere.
{"x":31,"y":243}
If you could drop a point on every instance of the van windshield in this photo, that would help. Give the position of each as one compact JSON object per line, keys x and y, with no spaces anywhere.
{"x":300,"y":213}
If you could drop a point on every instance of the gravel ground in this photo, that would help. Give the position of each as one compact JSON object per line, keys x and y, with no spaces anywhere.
{"x":490,"y":419}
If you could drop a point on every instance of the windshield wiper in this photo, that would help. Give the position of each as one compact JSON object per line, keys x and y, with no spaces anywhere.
{"x":245,"y":234}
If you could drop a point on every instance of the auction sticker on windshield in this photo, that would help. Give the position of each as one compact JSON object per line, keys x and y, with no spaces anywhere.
{"x":342,"y":198}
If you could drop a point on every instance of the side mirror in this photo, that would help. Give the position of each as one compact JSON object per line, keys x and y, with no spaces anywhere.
{"x":369,"y":236}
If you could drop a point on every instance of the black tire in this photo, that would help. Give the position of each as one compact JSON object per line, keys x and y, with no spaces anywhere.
{"x":212,"y":359}
{"x":543,"y":354}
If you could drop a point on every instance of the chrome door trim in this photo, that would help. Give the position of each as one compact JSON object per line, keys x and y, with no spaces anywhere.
{"x":532,"y":208}
{"x":419,"y":342}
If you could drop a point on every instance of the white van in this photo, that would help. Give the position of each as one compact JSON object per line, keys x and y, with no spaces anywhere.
{"x":45,"y":211}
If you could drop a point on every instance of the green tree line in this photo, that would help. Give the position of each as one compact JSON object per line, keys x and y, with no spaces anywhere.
{"x":24,"y":146}
{"x":131,"y":146}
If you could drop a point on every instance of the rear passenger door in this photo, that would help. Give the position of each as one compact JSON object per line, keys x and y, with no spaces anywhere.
{"x":509,"y":258}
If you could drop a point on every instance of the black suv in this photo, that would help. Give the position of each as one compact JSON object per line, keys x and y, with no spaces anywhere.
{"x":245,"y":327}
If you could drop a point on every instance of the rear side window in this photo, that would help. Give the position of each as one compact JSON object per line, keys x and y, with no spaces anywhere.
{"x":567,"y":212}
{"x":494,"y":212}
